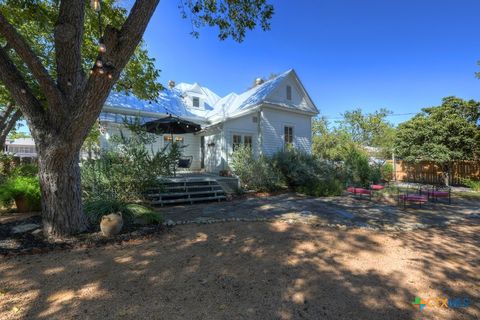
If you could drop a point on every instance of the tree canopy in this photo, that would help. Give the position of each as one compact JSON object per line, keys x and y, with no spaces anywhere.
{"x":355,"y":130}
{"x":55,"y":70}
{"x":442,"y":133}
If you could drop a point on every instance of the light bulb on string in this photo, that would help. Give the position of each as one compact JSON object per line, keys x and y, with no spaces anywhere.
{"x":109,"y":76}
{"x":101,"y":71}
{"x":102,"y":48}
{"x":95,"y":4}
{"x":99,"y":63}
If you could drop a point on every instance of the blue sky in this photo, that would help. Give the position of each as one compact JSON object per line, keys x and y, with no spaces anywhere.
{"x":402,"y":55}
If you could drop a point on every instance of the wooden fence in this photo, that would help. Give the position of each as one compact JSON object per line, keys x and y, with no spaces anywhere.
{"x":429,"y":172}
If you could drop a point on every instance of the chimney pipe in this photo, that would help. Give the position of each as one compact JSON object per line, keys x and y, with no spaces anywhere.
{"x":258,"y":81}
{"x":171,"y":84}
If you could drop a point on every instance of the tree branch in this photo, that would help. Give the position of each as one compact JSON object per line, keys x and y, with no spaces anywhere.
{"x":68,"y":42}
{"x":21,"y":47}
{"x":120,"y":44}
{"x":7,"y":126}
{"x":17,"y":86}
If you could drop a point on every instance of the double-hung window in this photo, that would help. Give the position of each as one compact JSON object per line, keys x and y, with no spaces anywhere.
{"x":288,"y":136}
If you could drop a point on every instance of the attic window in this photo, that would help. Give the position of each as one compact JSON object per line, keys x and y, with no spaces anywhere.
{"x":289,"y":93}
{"x":196,"y":102}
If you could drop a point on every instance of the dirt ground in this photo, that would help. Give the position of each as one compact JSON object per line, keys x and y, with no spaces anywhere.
{"x":255,"y":270}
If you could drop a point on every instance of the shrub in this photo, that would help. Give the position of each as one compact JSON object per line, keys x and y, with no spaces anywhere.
{"x":323,"y":188}
{"x":26,"y":170}
{"x":255,"y":173}
{"x":387,"y":172}
{"x":144,"y":214}
{"x":297,"y":168}
{"x":357,"y":168}
{"x":472,"y":184}
{"x":128,"y":169}
{"x":95,"y":209}
{"x":21,"y":188}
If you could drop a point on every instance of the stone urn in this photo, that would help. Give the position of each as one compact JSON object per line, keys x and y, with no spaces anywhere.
{"x":111,"y":224}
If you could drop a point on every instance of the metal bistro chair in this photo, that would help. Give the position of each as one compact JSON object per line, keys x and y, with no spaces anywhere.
{"x":185,"y":162}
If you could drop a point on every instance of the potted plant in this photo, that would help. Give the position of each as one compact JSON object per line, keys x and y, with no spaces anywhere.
{"x":23,"y":190}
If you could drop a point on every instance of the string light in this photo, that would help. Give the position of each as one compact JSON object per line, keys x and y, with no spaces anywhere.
{"x":109,"y":76}
{"x":95,"y":4}
{"x":23,"y":91}
{"x":101,"y":71}
{"x":99,"y":63}
{"x":102,"y":48}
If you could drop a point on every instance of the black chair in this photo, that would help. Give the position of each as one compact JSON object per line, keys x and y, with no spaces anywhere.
{"x":185,"y":162}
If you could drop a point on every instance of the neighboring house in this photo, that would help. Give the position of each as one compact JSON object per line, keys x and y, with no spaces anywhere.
{"x":21,"y":148}
{"x":267,"y":117}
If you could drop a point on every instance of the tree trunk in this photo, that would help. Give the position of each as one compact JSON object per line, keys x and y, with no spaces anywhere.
{"x":446,"y":174}
{"x":59,"y":172}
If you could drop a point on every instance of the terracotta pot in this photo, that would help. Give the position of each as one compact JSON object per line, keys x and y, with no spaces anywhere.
{"x":22,"y":204}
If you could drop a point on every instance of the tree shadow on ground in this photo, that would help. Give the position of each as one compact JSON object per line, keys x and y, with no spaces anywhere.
{"x":241,"y":271}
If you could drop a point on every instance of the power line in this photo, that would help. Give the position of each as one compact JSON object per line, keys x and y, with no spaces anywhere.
{"x":389,"y":115}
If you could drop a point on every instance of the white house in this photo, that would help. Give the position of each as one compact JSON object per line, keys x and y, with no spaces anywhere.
{"x":267,"y":117}
{"x":23,"y":148}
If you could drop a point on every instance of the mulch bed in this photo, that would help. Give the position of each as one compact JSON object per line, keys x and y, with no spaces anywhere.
{"x":13,"y":244}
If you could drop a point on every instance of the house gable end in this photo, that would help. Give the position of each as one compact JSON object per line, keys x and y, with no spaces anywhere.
{"x":291,"y":93}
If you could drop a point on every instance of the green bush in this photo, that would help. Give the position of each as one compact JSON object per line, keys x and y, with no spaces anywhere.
{"x":472,"y":184}
{"x":256,"y":173}
{"x":323,"y":188}
{"x":142,"y":213}
{"x":387,"y":172}
{"x":26,"y":170}
{"x":97,"y":208}
{"x":357,"y":169}
{"x":297,"y":168}
{"x":129,"y":168}
{"x":21,"y":187}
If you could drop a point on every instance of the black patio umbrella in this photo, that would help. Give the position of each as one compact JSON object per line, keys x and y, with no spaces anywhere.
{"x":171,"y":125}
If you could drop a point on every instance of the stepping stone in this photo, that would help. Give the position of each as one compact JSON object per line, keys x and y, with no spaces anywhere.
{"x":22,"y":228}
{"x":344,"y":214}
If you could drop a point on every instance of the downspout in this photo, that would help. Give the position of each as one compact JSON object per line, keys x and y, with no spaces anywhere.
{"x":259,"y":132}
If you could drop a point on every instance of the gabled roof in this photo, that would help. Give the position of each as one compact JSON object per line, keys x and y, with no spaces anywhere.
{"x":216,"y":109}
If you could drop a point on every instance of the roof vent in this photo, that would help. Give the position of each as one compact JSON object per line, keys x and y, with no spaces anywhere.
{"x":259,"y":81}
{"x":171,"y":84}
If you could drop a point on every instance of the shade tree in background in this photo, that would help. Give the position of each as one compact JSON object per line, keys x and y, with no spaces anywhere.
{"x":441,"y":134}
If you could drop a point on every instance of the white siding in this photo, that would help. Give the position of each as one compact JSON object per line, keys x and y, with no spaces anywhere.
{"x":279,"y":95}
{"x":192,"y":142}
{"x":243,"y":126}
{"x":273,"y":124}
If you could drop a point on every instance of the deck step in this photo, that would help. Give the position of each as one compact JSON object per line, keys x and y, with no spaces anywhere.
{"x":179,"y":194}
{"x":186,"y":190}
{"x":187,"y":200}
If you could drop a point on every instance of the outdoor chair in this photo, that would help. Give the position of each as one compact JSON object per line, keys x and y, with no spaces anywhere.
{"x":185,"y":162}
{"x":440,"y":192}
{"x":360,"y":192}
{"x":416,"y":197}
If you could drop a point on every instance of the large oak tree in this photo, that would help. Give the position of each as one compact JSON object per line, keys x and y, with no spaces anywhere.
{"x":69,"y":98}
